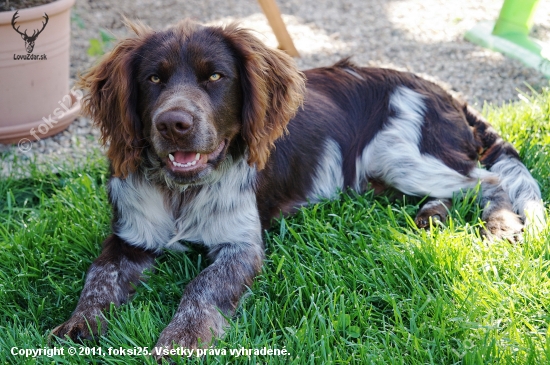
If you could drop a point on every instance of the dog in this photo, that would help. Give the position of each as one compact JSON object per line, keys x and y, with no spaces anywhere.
{"x":211,"y":135}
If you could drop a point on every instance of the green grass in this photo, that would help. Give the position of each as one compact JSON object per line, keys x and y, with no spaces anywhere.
{"x":348,"y":281}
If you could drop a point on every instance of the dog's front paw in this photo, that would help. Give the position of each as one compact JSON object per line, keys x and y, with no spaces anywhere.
{"x":504,"y":225}
{"x":81,"y":326}
{"x":189,"y":332}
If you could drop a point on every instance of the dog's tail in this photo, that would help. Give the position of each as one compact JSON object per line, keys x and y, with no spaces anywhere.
{"x":501,"y":157}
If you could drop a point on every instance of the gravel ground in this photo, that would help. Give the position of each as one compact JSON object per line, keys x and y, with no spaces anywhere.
{"x":421,"y":36}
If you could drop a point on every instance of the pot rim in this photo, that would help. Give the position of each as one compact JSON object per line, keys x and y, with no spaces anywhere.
{"x":15,"y":133}
{"x":37,"y":12}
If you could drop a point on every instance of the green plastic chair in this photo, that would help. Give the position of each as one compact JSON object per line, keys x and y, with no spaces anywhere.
{"x":510,"y":35}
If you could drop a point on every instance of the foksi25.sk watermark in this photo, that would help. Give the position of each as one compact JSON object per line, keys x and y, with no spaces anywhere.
{"x":25,"y":144}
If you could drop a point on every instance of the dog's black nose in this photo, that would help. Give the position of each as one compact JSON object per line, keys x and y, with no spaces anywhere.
{"x":174,"y":123}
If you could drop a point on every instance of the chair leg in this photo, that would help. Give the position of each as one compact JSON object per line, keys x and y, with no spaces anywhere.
{"x":271,"y":11}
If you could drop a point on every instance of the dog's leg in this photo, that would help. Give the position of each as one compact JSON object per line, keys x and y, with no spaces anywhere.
{"x":111,"y":279}
{"x":501,"y":158}
{"x":498,"y":214}
{"x":213,"y":294}
{"x":436,"y":209}
{"x":395,"y":158}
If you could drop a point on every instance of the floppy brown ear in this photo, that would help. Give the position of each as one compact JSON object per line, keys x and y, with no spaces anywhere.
{"x":111,"y":102}
{"x":273,"y":89}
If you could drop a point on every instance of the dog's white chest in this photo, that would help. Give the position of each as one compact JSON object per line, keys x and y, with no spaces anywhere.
{"x":222,"y":212}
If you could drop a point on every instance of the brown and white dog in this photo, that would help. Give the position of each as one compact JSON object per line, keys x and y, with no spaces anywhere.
{"x":196,"y":120}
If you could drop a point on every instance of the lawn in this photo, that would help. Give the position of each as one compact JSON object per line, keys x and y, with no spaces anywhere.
{"x":348,"y":281}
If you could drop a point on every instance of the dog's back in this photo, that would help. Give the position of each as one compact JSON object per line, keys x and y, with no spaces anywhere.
{"x":364,"y":128}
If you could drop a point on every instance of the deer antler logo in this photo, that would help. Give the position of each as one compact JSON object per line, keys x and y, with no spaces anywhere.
{"x":29,"y":40}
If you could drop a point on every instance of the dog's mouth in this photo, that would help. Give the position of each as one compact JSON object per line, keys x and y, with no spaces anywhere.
{"x":192,"y":161}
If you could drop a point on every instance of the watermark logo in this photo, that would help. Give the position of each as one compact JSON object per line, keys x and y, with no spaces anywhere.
{"x":29,"y":39}
{"x":25,"y":144}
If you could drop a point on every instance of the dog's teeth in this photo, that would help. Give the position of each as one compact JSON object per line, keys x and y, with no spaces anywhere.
{"x":197,"y":156}
{"x":186,"y":164}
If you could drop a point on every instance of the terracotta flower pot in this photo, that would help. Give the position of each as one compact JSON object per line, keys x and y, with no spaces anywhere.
{"x":35,"y":100}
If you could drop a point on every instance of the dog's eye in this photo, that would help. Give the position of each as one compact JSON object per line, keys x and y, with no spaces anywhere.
{"x":215,"y":77}
{"x":154,"y":79}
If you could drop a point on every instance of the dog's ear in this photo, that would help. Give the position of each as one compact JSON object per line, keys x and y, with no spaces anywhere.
{"x":273,"y":90}
{"x":111,"y":102}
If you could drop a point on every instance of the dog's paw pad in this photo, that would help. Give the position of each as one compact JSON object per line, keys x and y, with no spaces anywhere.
{"x":424,"y":220}
{"x":504,"y":225}
{"x":435,"y":210}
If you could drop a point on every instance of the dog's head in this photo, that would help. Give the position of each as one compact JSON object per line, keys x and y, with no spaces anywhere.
{"x":186,"y":94}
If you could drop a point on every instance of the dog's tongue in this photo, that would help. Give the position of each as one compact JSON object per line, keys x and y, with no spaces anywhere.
{"x":184,"y":157}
